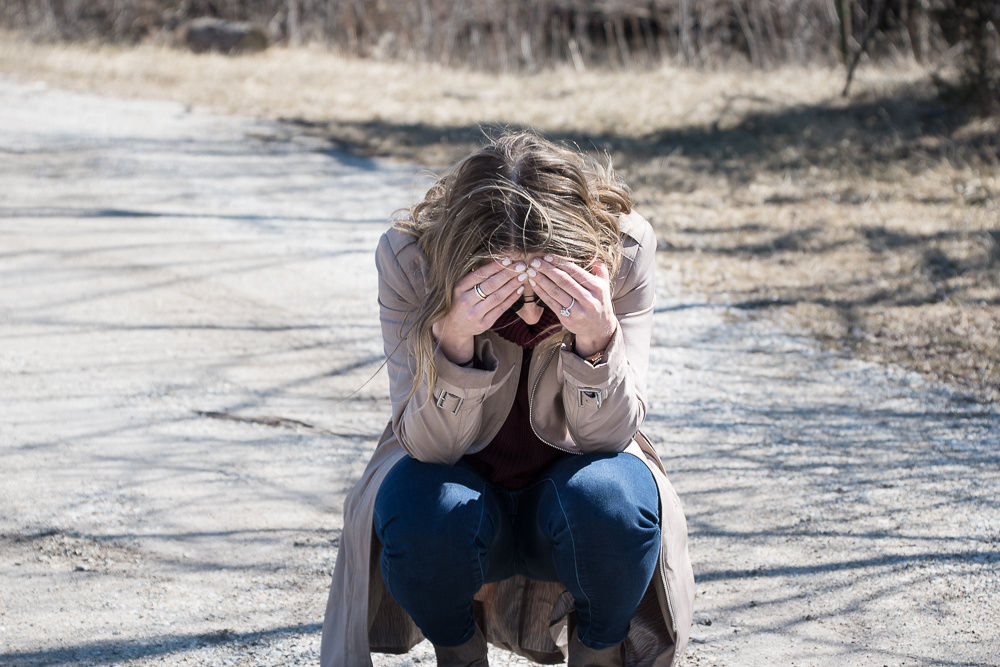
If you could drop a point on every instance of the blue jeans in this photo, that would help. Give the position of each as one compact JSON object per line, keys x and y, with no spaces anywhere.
{"x":590,"y":522}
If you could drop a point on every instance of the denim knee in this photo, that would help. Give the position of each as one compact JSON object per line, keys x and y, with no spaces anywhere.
{"x":424,"y":507}
{"x":602,"y":515}
{"x":608,"y":494}
{"x":434,"y":526}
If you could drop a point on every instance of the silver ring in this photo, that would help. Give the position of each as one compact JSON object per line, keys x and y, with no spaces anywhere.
{"x":565,"y":311}
{"x":479,"y":291}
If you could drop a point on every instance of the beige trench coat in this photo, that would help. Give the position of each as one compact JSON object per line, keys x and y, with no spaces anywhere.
{"x":574,"y":406}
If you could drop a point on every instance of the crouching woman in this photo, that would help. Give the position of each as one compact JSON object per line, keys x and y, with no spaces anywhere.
{"x":512,"y":499}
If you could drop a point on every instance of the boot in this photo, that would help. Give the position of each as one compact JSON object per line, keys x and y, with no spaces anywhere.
{"x":470,"y":654}
{"x":581,"y":655}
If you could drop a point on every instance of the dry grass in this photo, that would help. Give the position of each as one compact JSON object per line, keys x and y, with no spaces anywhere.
{"x":872,"y":222}
{"x":504,"y":34}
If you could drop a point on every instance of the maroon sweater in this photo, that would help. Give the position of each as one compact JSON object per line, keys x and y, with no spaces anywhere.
{"x":516,"y":455}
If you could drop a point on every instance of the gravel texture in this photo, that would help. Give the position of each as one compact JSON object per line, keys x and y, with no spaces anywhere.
{"x":187,"y":325}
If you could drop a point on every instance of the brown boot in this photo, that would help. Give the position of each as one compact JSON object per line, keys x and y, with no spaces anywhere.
{"x":581,"y":655}
{"x":470,"y":654}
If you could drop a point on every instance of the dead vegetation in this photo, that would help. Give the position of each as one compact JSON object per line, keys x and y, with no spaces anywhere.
{"x":871,"y":222}
{"x":513,"y":35}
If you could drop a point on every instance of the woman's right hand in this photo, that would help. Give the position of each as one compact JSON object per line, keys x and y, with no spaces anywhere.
{"x":471,"y":314}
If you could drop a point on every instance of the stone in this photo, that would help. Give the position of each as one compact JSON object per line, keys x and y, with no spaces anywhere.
{"x":212,"y":34}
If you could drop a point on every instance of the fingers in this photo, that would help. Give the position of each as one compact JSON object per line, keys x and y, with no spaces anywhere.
{"x":494,"y":312}
{"x":506,"y":293}
{"x":552,"y":294}
{"x":509,"y":277}
{"x":563,"y":269}
{"x":484,"y":272}
{"x":564,"y":282}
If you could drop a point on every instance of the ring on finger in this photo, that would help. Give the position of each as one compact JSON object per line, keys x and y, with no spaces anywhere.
{"x":565,"y":311}
{"x":480,"y":292}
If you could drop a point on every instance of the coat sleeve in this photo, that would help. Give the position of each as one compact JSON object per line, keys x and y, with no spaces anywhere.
{"x":605,"y":405}
{"x":436,"y":424}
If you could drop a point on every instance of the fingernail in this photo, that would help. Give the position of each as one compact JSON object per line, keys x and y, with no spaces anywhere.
{"x":520,"y":267}
{"x":506,"y":261}
{"x":535,"y":263}
{"x":532,"y":273}
{"x":522,"y":276}
{"x":532,"y":282}
{"x":548,"y":258}
{"x":520,"y":289}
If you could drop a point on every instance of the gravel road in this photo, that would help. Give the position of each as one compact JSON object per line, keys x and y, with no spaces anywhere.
{"x":187,"y":313}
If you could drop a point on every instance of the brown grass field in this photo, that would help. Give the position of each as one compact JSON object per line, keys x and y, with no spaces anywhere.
{"x":871,"y":222}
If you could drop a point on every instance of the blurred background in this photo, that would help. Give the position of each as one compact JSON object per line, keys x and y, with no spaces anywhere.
{"x":523,"y":36}
{"x":829,"y":163}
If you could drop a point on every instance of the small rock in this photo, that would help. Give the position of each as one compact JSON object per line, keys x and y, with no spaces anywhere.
{"x":82,"y":567}
{"x":212,"y":34}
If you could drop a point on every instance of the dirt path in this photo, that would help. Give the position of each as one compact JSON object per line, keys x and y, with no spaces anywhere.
{"x":187,"y":303}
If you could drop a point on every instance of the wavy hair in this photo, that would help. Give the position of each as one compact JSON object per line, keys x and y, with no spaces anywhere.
{"x":519,"y":194}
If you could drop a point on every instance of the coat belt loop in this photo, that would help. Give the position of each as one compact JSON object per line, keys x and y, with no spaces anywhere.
{"x":443,"y":399}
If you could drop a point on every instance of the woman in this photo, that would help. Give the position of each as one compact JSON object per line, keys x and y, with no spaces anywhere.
{"x":512,"y":498}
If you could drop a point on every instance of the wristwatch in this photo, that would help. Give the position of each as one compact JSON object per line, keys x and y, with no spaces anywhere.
{"x":595,"y":358}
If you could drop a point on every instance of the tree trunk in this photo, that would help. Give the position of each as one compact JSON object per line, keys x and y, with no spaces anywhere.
{"x":294,"y":23}
{"x":844,"y":17}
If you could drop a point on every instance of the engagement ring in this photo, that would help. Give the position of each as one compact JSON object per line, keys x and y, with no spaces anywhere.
{"x":565,"y":311}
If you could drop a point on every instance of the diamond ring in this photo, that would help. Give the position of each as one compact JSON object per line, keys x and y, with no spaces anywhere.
{"x":565,"y":311}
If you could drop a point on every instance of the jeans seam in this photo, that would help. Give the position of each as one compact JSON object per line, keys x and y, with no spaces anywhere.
{"x":569,"y":528}
{"x":475,"y":538}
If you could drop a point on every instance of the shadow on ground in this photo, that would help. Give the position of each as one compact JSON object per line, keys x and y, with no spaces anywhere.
{"x":114,"y":652}
{"x":912,"y":126}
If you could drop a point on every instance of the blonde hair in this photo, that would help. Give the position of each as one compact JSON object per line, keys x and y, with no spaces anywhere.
{"x":519,"y":194}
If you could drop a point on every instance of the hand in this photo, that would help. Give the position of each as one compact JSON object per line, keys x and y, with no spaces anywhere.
{"x":592,"y":317}
{"x":471,"y":314}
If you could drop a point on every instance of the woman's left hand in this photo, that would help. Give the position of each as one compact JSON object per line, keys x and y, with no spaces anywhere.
{"x":588,"y":294}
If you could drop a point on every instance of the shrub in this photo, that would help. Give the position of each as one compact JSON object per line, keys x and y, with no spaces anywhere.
{"x":970,"y":28}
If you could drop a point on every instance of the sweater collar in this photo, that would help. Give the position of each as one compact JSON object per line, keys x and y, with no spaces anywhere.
{"x":513,"y":328}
